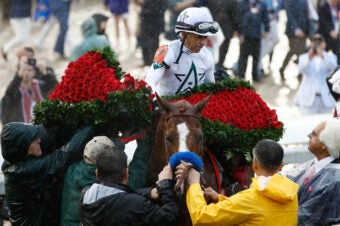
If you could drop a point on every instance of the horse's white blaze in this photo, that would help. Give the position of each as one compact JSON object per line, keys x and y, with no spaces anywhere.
{"x":183,"y":131}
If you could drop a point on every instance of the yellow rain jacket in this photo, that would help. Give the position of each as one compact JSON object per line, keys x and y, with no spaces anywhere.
{"x":275,"y":204}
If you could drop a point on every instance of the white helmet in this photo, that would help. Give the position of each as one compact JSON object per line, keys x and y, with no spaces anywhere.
{"x":196,"y":20}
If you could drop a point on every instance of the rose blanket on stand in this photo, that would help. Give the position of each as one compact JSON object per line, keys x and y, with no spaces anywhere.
{"x":95,"y":90}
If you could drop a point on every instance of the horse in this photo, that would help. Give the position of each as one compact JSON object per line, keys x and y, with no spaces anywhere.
{"x":179,"y":129}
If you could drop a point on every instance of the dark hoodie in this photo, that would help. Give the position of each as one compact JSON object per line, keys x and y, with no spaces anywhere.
{"x":32,"y":183}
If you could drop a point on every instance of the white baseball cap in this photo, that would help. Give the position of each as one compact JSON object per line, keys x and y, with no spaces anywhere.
{"x":95,"y":146}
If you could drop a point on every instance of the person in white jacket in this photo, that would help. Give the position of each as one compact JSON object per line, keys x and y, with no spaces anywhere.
{"x":186,"y":62}
{"x":178,"y":67}
{"x":313,"y":95}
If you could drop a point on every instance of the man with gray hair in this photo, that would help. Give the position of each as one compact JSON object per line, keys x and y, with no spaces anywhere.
{"x":319,"y":178}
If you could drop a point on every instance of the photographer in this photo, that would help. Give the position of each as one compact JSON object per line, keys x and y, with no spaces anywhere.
{"x":32,"y":82}
{"x":313,"y":96}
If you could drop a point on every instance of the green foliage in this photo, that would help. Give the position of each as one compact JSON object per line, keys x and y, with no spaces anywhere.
{"x":123,"y":110}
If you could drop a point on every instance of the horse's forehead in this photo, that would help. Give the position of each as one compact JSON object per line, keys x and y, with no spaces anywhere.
{"x":191,"y":122}
{"x":183,"y":106}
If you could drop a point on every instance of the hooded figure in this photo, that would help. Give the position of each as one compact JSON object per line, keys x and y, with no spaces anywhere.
{"x":16,"y":139}
{"x":32,"y":176}
{"x":90,"y":39}
{"x":101,"y":21}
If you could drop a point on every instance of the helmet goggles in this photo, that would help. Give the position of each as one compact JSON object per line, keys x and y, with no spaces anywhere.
{"x":204,"y":27}
{"x":201,"y":28}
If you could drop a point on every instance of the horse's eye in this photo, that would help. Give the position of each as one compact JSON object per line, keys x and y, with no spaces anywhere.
{"x":200,"y":137}
{"x":169,"y":139}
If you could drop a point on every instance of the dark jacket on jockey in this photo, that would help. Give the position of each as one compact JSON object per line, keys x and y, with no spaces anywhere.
{"x":33,"y":184}
{"x":120,"y":205}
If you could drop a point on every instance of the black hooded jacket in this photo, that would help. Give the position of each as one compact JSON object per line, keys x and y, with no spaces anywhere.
{"x":32,"y":183}
{"x":116,"y":204}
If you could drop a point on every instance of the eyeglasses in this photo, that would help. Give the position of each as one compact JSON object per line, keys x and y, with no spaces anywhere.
{"x":204,"y":27}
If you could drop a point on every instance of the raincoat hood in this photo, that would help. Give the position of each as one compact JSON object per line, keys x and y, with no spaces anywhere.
{"x":89,"y":28}
{"x":278,"y":188}
{"x":16,"y":138}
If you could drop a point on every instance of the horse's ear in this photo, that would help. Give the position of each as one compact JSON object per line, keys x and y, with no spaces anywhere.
{"x":165,"y":105}
{"x":200,"y":105}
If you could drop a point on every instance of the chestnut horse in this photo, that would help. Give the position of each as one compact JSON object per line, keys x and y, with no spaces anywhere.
{"x":179,"y":129}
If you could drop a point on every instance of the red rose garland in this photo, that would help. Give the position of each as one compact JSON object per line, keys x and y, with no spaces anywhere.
{"x":93,"y":90}
{"x":242,"y":107}
{"x":89,"y":79}
{"x":235,"y":118}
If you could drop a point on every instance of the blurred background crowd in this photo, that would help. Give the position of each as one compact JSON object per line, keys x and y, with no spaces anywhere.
{"x":275,"y":33}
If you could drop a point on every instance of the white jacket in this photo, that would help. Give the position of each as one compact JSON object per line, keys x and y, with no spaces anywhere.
{"x":168,"y":78}
{"x":315,"y":71}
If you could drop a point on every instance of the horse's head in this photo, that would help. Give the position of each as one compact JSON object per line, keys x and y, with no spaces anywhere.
{"x":181,"y":126}
{"x":179,"y":129}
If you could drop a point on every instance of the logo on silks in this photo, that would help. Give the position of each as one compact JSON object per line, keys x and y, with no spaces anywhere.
{"x":157,"y":65}
{"x":189,"y":80}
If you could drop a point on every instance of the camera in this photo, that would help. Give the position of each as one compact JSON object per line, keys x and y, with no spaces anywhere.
{"x":32,"y":62}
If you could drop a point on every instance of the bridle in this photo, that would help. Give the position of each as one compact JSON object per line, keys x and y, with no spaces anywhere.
{"x":187,"y":115}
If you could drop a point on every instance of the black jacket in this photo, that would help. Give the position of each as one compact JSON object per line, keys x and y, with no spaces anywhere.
{"x":11,"y":109}
{"x":122,"y":206}
{"x":227,"y":14}
{"x":297,"y":16}
{"x":32,"y":184}
{"x":325,"y":20}
{"x":253,"y":22}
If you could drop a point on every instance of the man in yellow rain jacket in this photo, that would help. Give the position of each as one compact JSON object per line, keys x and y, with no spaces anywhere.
{"x":270,"y":200}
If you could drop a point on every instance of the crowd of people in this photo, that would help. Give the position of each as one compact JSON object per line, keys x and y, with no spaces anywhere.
{"x":85,"y":178}
{"x":95,"y":190}
{"x":253,"y":22}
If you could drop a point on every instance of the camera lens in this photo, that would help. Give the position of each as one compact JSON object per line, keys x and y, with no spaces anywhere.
{"x":32,"y":62}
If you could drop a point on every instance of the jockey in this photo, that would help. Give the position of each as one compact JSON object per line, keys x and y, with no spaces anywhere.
{"x":186,"y":62}
{"x":178,"y":67}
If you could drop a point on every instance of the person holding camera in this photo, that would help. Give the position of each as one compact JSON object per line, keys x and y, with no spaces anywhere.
{"x":32,"y":82}
{"x":313,"y":95}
